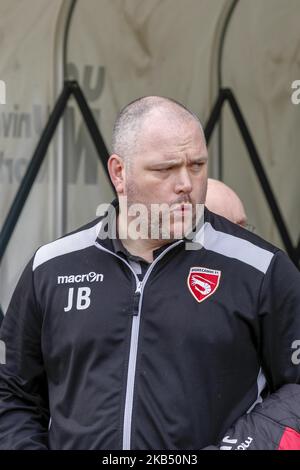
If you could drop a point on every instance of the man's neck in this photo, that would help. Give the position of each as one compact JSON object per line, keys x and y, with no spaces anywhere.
{"x":139,"y":247}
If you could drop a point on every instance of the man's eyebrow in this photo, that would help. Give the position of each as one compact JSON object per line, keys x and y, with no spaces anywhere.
{"x":200,"y":158}
{"x":166,"y":163}
{"x":176,"y":162}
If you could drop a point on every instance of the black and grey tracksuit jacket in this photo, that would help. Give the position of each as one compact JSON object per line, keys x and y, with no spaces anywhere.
{"x":170,"y":362}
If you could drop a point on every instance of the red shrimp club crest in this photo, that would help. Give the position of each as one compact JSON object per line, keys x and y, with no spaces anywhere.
{"x":203,"y":282}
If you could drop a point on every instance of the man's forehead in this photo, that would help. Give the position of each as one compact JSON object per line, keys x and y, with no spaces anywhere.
{"x":171,"y":134}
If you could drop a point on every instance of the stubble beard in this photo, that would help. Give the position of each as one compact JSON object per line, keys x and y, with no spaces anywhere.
{"x":161,"y":225}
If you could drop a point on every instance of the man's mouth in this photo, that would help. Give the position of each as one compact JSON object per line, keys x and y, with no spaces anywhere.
{"x":183,"y":207}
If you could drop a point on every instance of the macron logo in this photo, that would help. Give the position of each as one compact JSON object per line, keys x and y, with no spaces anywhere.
{"x":76,"y":278}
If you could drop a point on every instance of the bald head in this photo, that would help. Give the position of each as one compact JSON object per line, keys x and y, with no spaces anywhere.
{"x":222,"y":200}
{"x":134,"y":119}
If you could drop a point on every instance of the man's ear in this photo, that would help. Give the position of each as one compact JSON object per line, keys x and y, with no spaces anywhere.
{"x":116,"y":171}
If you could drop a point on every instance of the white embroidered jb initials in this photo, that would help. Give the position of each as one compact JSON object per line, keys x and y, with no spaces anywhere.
{"x":83,"y":300}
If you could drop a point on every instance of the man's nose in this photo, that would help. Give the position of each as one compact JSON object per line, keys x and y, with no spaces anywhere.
{"x":183,"y":182}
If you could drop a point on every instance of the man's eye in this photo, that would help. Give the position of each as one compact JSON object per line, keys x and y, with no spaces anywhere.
{"x":162,"y":170}
{"x":197,"y":165}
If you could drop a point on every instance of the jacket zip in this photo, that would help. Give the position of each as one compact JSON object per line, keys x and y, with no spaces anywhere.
{"x":133,"y":349}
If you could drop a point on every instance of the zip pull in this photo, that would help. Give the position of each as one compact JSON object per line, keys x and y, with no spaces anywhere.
{"x":139,"y":287}
{"x":136,"y":299}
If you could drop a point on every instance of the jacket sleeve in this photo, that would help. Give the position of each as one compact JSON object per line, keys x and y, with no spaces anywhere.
{"x":279,"y":313}
{"x":275,"y":423}
{"x":24,"y":410}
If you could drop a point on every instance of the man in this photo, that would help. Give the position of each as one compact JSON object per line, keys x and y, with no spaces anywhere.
{"x":222,"y":200}
{"x":153,"y":343}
